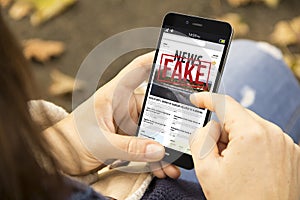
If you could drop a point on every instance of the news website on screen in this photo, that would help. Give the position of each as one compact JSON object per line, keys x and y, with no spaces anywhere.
{"x":184,"y":65}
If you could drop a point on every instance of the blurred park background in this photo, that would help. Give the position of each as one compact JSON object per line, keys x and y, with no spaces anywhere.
{"x":58,"y":34}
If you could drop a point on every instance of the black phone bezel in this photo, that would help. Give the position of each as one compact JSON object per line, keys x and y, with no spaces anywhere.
{"x":196,"y":25}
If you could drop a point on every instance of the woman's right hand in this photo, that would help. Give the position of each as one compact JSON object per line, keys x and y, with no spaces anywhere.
{"x":243,"y":156}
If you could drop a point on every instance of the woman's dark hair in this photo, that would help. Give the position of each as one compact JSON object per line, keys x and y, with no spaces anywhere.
{"x":23,"y":149}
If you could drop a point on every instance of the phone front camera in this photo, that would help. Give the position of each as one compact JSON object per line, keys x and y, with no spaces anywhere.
{"x":187,"y":22}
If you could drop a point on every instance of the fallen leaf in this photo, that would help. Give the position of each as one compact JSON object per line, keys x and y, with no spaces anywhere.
{"x":4,"y":3}
{"x":42,"y":50}
{"x":238,"y":3}
{"x":271,"y":3}
{"x":286,"y":32}
{"x":240,"y":27}
{"x":289,"y":60}
{"x":43,"y":10}
{"x":63,"y":84}
{"x":295,"y":24}
{"x":297,"y":71}
{"x":20,"y":9}
{"x":296,"y":67}
{"x":46,"y":9}
{"x":293,"y":62}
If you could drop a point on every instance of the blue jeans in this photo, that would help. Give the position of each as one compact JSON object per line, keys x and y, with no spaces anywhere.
{"x":256,"y":76}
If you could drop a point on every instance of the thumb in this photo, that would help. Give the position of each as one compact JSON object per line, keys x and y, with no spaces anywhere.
{"x":135,"y":72}
{"x":132,"y":148}
{"x":203,"y":145}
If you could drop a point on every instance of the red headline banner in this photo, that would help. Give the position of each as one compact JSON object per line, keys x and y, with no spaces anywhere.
{"x":185,"y":72}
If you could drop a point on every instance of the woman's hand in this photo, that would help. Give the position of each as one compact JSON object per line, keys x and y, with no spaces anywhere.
{"x":104,"y":127}
{"x":118,"y":105}
{"x":245,"y":156}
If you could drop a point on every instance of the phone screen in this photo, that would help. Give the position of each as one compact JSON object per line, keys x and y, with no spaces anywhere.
{"x":186,"y":61}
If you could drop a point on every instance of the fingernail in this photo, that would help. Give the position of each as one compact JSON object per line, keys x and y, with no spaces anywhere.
{"x":208,"y":145}
{"x":193,"y":98}
{"x":154,"y":151}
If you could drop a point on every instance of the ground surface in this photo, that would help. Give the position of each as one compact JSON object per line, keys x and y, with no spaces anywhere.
{"x":89,"y":22}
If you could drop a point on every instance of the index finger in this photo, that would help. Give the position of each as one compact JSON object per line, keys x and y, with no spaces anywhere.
{"x":229,"y":112}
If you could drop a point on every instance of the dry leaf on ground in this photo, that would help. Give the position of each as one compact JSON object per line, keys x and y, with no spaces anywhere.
{"x":237,"y":3}
{"x":297,"y":71}
{"x":20,"y":9}
{"x":43,"y":10}
{"x":295,"y":24}
{"x":240,"y":27}
{"x":293,"y":61}
{"x":286,"y":32}
{"x":4,"y":3}
{"x":42,"y":50}
{"x":289,"y":60}
{"x":46,"y":9}
{"x":63,"y":84}
{"x":271,"y":3}
{"x":296,"y":67}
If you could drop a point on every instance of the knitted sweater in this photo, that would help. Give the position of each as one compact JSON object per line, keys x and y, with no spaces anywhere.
{"x":166,"y":189}
{"x":159,"y":189}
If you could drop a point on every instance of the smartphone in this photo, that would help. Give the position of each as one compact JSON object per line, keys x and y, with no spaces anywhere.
{"x":190,"y":57}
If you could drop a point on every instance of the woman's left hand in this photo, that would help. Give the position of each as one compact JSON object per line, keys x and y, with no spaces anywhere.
{"x":106,"y":124}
